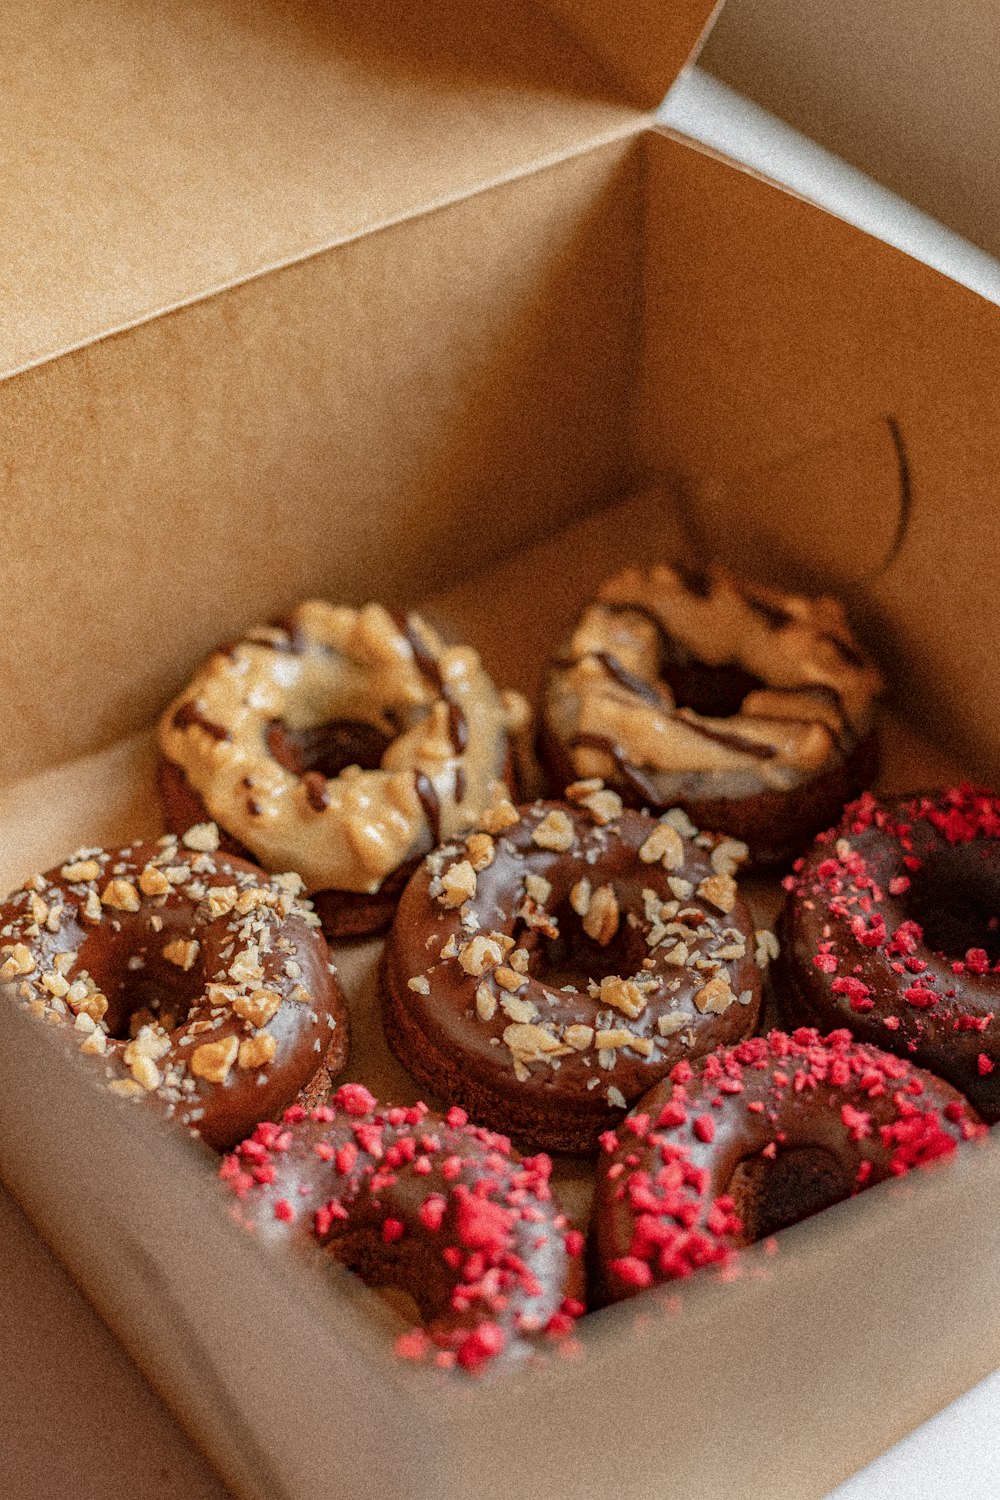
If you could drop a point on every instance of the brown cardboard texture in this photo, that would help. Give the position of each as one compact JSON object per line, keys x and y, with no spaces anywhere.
{"x":452,"y":408}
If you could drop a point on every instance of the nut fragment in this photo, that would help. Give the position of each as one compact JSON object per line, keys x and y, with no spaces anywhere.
{"x":80,"y":870}
{"x":420,"y":984}
{"x":728,"y":856}
{"x":458,"y":884}
{"x":503,"y":815}
{"x":538,"y":888}
{"x":21,"y":961}
{"x":618,"y":1037}
{"x":667,"y":1025}
{"x":518,"y":1010}
{"x":579,"y":897}
{"x":213,"y":1060}
{"x":182,"y":952}
{"x":720,"y":890}
{"x":258,"y":1007}
{"x":603,"y":806}
{"x":530,"y":1043}
{"x":121,"y":895}
{"x":664,"y":844}
{"x":622,"y":994}
{"x":715,"y":997}
{"x":481,"y":850}
{"x":153,"y":882}
{"x":767,"y":948}
{"x":257,"y":1051}
{"x":202,"y":837}
{"x":509,"y":978}
{"x":480,"y":954}
{"x":486,"y":1005}
{"x":555,"y":832}
{"x":579,"y":1037}
{"x":603,"y":916}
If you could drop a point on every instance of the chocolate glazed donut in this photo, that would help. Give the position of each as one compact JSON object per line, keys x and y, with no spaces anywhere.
{"x":749,"y":708}
{"x":754,"y":1138}
{"x":341,"y":743}
{"x":186,"y":978}
{"x":891,"y":926}
{"x":546,"y":973}
{"x":436,"y":1207}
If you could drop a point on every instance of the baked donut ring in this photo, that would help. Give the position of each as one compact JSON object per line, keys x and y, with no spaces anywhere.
{"x":891,"y":926}
{"x":187,"y":978}
{"x":343,"y":743}
{"x":548,"y":972}
{"x":751,"y":709}
{"x":431,"y":1205}
{"x":754,"y":1138}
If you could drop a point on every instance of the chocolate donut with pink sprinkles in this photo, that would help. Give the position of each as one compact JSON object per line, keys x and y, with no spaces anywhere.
{"x":756,"y":1137}
{"x":432,"y":1205}
{"x":891,"y":926}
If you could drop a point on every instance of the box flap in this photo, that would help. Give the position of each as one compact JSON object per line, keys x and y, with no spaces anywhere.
{"x":643,"y":44}
{"x":153,"y":153}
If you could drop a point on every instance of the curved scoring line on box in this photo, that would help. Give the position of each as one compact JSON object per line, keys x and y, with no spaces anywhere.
{"x":905,"y":498}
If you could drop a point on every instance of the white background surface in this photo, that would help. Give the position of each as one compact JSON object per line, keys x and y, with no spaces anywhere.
{"x":75,"y":1416}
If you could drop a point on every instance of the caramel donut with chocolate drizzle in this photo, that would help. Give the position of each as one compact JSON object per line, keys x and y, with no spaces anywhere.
{"x":343,"y":743}
{"x":431,"y":1205}
{"x":186,"y":978}
{"x":754,"y":1138}
{"x":750,"y":708}
{"x":547,"y":972}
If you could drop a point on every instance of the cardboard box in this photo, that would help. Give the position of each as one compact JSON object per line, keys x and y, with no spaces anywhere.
{"x":300,"y":299}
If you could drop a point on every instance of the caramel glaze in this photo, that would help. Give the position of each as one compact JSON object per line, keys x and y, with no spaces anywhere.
{"x":890,"y":928}
{"x":550,"y":1065}
{"x":431,"y":1205}
{"x":753,"y":1138}
{"x":145,"y":955}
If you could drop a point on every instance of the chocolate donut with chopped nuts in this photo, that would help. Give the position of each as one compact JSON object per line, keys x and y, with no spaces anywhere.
{"x":750,"y":708}
{"x":185,"y":977}
{"x":432,"y":1205}
{"x":545,"y":973}
{"x":343,"y":743}
{"x":754,"y":1138}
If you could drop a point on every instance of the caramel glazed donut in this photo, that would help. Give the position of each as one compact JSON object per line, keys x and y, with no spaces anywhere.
{"x":754,"y":1138}
{"x":891,"y":928}
{"x":749,"y":708}
{"x":342,"y":744}
{"x":436,"y":1207}
{"x":546,"y":974}
{"x":187,"y":978}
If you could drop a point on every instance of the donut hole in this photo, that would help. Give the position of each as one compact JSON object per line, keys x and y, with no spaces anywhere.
{"x":141,"y":986}
{"x":712,"y":692}
{"x":771,"y":1195}
{"x":328,"y":748}
{"x":955,"y":897}
{"x":574,"y":957}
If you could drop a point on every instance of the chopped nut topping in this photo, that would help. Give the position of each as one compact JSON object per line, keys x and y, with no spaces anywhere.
{"x":146,"y":1073}
{"x":664,"y":844}
{"x":603,"y":916}
{"x":203,"y":837}
{"x":481,"y":850}
{"x":603,"y":806}
{"x":555,"y":832}
{"x":213,"y":1060}
{"x":618,"y":1037}
{"x":80,"y":872}
{"x":256,"y":1051}
{"x":715,"y":997}
{"x":538,"y":888}
{"x":622,"y":994}
{"x":121,"y":895}
{"x":728,"y":856}
{"x":55,"y":983}
{"x":518,"y":1010}
{"x":509,"y":979}
{"x":678,"y":954}
{"x":486,"y":1005}
{"x":768,"y":948}
{"x":643,"y":1045}
{"x":420,"y":984}
{"x":480,"y":954}
{"x":92,"y":909}
{"x":579,"y":897}
{"x":126,"y":1087}
{"x":578,"y":790}
{"x":678,"y":818}
{"x":258,"y":1007}
{"x":578,"y":1037}
{"x":21,"y":961}
{"x":720,"y":890}
{"x":182,"y":952}
{"x":221,"y":900}
{"x":667,"y":1025}
{"x":679,"y":887}
{"x":519,"y":960}
{"x":458,"y":884}
{"x":496,"y":819}
{"x":532,"y":1043}
{"x":616,"y":1098}
{"x":149,"y":1042}
{"x":153,"y":882}
{"x":94,"y":1043}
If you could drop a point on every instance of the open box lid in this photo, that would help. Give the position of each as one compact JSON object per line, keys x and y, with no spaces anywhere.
{"x":155,"y":153}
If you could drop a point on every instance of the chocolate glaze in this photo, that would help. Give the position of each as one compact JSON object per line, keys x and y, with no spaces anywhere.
{"x":924,"y":871}
{"x":188,"y":714}
{"x":445,"y":1044}
{"x":123,"y":951}
{"x":734,"y":1149}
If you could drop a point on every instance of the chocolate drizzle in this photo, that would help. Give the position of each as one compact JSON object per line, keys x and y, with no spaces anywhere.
{"x":630,"y":681}
{"x":430,"y":802}
{"x":639,"y":783}
{"x":458,"y":725}
{"x":189,"y":713}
